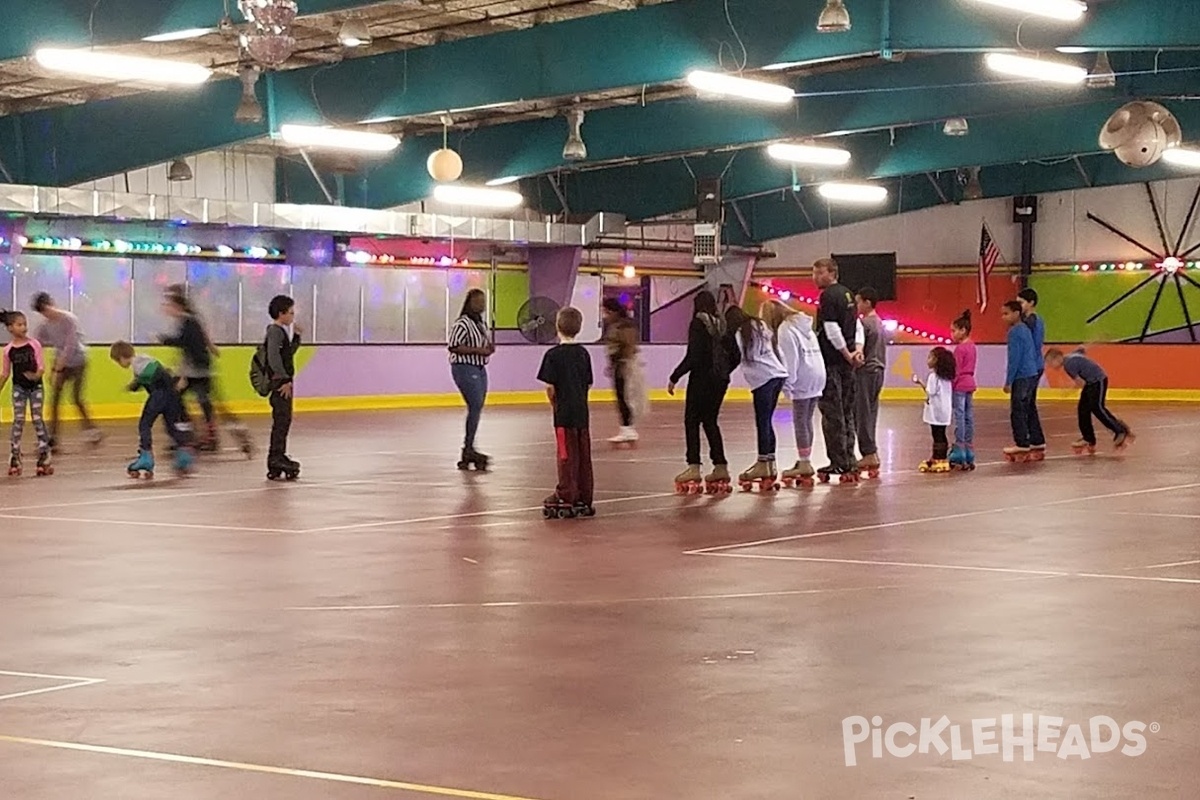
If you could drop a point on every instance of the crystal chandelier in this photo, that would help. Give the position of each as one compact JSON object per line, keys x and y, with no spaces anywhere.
{"x":269,"y":40}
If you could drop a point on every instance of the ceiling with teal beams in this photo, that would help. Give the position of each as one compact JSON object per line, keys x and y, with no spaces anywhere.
{"x":881,"y":90}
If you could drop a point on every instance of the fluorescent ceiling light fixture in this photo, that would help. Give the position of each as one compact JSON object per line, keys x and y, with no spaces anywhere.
{"x":115,"y":67}
{"x":179,"y":36}
{"x":809,"y":154}
{"x":1065,"y":10}
{"x":338,"y":139}
{"x":459,"y":195}
{"x":483,"y":107}
{"x":809,"y":62}
{"x":378,"y":120}
{"x":1036,"y":69}
{"x":507,"y":179}
{"x":853,"y":192}
{"x":1182,"y":157}
{"x":744,"y":88}
{"x":1074,"y":51}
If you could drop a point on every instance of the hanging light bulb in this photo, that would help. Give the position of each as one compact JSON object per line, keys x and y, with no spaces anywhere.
{"x":249,"y":111}
{"x":834,"y":17}
{"x":956,"y":126}
{"x":575,"y":149}
{"x":354,"y":33}
{"x":973,"y":189}
{"x":444,"y":165}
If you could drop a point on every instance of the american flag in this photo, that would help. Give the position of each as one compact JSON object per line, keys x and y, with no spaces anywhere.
{"x":989,"y":254}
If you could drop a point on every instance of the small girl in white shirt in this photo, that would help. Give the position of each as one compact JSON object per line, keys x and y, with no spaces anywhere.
{"x":763,"y":369}
{"x":939,"y":393}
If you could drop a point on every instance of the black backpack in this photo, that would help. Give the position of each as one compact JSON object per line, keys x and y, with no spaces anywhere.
{"x":260,"y":377}
{"x":724,"y":358}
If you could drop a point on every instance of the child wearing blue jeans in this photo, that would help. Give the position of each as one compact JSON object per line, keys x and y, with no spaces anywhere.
{"x":962,"y":454}
{"x":162,"y":400}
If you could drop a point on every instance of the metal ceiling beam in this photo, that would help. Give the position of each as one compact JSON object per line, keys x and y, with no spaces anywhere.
{"x":773,"y":217}
{"x":29,"y":24}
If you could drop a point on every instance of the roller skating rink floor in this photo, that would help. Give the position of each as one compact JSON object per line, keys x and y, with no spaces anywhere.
{"x":389,"y":626}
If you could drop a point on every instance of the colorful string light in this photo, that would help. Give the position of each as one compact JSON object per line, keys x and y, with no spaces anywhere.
{"x":1171,"y":264}
{"x":363,"y":257}
{"x":122,"y":247}
{"x":889,"y":325}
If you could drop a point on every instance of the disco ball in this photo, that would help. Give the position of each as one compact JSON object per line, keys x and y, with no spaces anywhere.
{"x":269,"y":40}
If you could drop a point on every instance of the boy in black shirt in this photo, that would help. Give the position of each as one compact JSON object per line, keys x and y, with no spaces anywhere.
{"x":281,"y":370}
{"x":567,"y":372}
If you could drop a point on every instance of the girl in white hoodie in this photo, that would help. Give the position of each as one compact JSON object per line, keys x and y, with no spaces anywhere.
{"x":764,"y":372}
{"x":800,"y":353}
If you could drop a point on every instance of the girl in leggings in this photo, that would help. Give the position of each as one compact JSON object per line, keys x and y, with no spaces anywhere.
{"x":805,"y":383}
{"x":762,"y":366}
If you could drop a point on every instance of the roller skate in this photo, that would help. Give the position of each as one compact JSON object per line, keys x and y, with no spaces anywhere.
{"x":1037,"y":452}
{"x":718,"y":481}
{"x":870,"y":465}
{"x":958,"y":458}
{"x":43,"y":463}
{"x":554,"y":507}
{"x":1082,"y":446}
{"x":584,"y":510}
{"x":211,"y":442}
{"x":626,"y":438}
{"x":1123,"y":440}
{"x":1016,"y":454}
{"x":470,"y":458}
{"x":143,"y":466}
{"x":969,"y":453}
{"x":282,"y":467}
{"x":14,"y":465}
{"x":826,"y":474}
{"x":689,"y":481}
{"x":762,"y":474}
{"x":800,"y":475}
{"x":935,"y":465}
{"x":93,"y":436}
{"x":184,"y":461}
{"x":241,"y":435}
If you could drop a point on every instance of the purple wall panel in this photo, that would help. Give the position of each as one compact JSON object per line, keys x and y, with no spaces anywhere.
{"x":669,"y":324}
{"x":352,"y":370}
{"x":552,"y":272}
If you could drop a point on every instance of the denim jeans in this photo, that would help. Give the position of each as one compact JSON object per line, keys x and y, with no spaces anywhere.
{"x":766,"y":398}
{"x":472,"y":384}
{"x":164,"y":402}
{"x":1019,"y":405}
{"x":964,"y":417}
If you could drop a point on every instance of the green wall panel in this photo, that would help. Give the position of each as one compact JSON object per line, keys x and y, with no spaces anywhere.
{"x":1066,"y":300}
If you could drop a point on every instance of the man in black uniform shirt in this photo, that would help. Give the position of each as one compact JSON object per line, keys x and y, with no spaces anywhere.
{"x":840,"y":335}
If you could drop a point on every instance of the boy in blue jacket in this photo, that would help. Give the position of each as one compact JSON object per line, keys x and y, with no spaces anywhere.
{"x":1020,"y":381}
{"x":1028,"y":298}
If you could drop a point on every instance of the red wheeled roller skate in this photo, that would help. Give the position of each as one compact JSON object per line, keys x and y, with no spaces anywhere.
{"x":762,"y":475}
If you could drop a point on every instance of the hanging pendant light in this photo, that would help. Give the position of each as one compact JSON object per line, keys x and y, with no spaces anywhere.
{"x":249,"y":111}
{"x":444,"y":165}
{"x":835,"y":18}
{"x":1101,"y":75}
{"x":179,"y":171}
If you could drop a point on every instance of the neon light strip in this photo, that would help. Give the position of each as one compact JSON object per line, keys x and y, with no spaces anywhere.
{"x":121,"y":247}
{"x":363,"y":257}
{"x":890,"y":325}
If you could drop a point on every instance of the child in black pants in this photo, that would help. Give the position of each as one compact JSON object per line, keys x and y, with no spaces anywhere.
{"x":567,"y":372}
{"x":281,"y":350}
{"x":1092,"y":379}
{"x":162,"y":401}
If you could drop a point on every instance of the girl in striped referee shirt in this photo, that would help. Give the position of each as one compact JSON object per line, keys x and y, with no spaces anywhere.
{"x":470,"y":346}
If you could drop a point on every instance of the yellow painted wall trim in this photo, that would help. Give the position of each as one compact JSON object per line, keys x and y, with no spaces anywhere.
{"x":110,"y":411}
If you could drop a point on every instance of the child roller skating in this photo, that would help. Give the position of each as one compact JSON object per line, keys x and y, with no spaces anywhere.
{"x":162,"y":400}
{"x":282,"y":468}
{"x":1020,"y":384}
{"x":567,"y":372}
{"x":962,"y":455}
{"x":279,"y":371}
{"x":1091,"y":378}
{"x":938,"y":407}
{"x":24,"y":363}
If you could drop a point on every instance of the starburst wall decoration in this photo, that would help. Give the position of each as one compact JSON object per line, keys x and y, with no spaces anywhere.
{"x":1169,"y":264}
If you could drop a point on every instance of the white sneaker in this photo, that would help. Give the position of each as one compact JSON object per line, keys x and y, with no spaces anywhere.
{"x":625,"y":435}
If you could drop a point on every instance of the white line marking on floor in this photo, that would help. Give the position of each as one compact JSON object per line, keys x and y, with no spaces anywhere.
{"x":909,"y":564}
{"x":1171,"y":564}
{"x":1150,"y":578}
{"x":381,"y":783}
{"x":1145,"y":514}
{"x":626,"y":600}
{"x":146,"y":524}
{"x":473,"y":514}
{"x":940,"y":518}
{"x":75,"y":683}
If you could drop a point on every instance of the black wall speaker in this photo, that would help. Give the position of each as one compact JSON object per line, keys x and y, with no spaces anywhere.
{"x":708,"y":200}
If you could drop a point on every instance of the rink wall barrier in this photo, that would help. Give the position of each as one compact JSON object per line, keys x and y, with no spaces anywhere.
{"x":367,"y":377}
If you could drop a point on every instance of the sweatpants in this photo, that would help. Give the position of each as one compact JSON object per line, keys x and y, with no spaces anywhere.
{"x":34,"y":399}
{"x":1036,"y":437}
{"x":766,"y":398}
{"x":1092,"y":403}
{"x":575,"y":484}
{"x":866,"y":408}
{"x":701,"y":408}
{"x":837,"y":416}
{"x":164,"y":402}
{"x":802,"y":422}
